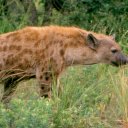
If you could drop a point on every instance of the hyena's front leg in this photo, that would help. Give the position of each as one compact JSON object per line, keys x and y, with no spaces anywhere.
{"x":45,"y":88}
{"x":45,"y":81}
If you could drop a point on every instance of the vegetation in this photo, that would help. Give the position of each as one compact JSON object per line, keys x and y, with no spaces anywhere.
{"x":93,"y":96}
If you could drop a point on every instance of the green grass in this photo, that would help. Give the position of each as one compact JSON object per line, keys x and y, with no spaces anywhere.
{"x":93,"y":96}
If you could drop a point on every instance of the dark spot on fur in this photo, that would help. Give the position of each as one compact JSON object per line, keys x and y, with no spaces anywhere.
{"x":18,"y":48}
{"x":20,"y":54}
{"x":46,"y":78}
{"x":9,"y":61}
{"x":20,"y":65}
{"x":37,"y":44}
{"x":47,"y":46}
{"x":65,"y":45}
{"x":42,"y":88}
{"x":51,"y":75}
{"x":26,"y":61}
{"x":41,"y":77}
{"x":12,"y":47}
{"x":38,"y":51}
{"x":61,"y":52}
{"x":84,"y":54}
{"x":5,"y":48}
{"x":10,"y":56}
{"x":27,"y":51}
{"x":42,"y":69}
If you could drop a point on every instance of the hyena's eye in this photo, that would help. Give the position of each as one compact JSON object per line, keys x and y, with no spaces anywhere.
{"x":113,"y":50}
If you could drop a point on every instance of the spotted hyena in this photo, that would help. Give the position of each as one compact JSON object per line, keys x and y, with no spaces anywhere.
{"x":44,"y":52}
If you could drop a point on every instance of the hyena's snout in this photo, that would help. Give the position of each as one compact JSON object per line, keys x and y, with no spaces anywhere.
{"x":120,"y":59}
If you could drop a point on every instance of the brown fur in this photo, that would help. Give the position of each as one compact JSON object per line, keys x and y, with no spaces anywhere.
{"x":44,"y":52}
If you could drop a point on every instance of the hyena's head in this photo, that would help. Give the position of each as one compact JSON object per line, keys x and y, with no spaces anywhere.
{"x":106,"y":50}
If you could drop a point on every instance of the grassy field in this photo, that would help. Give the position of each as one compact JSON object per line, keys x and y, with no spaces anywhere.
{"x":93,"y":96}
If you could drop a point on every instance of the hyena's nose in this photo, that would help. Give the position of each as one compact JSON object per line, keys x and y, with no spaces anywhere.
{"x":123,"y":59}
{"x":120,"y":60}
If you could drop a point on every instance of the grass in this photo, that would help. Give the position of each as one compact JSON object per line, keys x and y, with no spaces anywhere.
{"x":93,"y":96}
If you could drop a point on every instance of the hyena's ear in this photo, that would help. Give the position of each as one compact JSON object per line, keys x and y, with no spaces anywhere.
{"x":92,"y":41}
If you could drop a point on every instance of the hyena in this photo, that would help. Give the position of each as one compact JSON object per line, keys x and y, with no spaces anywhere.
{"x":44,"y":52}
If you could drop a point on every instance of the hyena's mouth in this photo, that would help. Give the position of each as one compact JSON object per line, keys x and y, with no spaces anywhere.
{"x":114,"y":63}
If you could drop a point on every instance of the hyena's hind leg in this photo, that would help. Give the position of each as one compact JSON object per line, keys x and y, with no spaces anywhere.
{"x":10,"y":85}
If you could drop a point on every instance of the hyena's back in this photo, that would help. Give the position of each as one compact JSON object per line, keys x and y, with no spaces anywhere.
{"x":25,"y":48}
{"x":18,"y":47}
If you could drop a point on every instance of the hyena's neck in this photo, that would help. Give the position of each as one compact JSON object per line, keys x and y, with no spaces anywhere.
{"x":80,"y":56}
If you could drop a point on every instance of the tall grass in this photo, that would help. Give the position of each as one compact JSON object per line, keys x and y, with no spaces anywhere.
{"x":120,"y":90}
{"x":94,"y":96}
